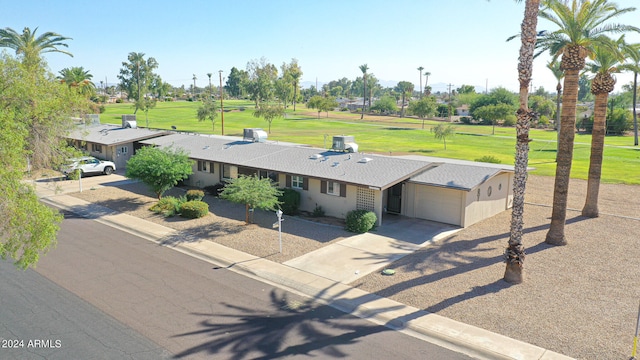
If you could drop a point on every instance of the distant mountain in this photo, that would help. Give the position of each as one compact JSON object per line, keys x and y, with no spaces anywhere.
{"x":435,"y":87}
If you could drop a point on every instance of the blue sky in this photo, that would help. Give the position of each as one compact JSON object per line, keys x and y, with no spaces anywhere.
{"x":458,"y":42}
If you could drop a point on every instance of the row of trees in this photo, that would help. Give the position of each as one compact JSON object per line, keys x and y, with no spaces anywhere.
{"x":581,"y":32}
{"x":37,"y":111}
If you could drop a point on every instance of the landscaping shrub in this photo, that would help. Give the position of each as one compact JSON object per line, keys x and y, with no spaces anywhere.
{"x":168,"y":206}
{"x":509,"y":120}
{"x":360,"y":221}
{"x":214,"y":189}
{"x":289,"y":201}
{"x":195,"y":195}
{"x":489,"y":159}
{"x":194,"y":209}
{"x":318,"y":211}
{"x":465,"y":120}
{"x":543,"y":121}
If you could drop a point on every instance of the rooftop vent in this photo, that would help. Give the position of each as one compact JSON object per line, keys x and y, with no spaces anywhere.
{"x":344,"y":143}
{"x":130,"y":118}
{"x":364,"y":160}
{"x":315,"y":157}
{"x":254,"y":135}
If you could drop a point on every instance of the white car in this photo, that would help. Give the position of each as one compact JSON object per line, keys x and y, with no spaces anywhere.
{"x":89,"y":165}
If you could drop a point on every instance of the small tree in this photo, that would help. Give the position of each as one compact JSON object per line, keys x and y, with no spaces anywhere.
{"x":160,"y":169}
{"x":494,"y":112}
{"x":424,"y":107}
{"x":442,"y":131}
{"x":386,"y":105}
{"x":269,"y":112}
{"x":208,"y":111}
{"x":252,"y":191}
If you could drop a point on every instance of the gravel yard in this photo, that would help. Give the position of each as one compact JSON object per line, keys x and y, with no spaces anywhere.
{"x":580,"y":300}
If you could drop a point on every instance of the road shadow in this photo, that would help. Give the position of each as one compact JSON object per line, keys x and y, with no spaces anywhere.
{"x":292,"y":326}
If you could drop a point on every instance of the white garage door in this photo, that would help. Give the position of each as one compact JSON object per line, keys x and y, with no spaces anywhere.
{"x":438,"y":204}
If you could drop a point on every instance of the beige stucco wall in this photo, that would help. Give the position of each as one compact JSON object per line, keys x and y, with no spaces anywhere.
{"x":480,"y":205}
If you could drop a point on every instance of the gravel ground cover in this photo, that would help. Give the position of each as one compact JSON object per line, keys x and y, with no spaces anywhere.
{"x":580,"y":300}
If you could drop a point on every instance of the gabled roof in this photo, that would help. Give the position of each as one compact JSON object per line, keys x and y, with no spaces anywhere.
{"x":379,"y":172}
{"x":112,"y":134}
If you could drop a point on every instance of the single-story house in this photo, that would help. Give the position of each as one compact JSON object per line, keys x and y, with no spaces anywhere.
{"x":454,"y":192}
{"x":112,"y":142}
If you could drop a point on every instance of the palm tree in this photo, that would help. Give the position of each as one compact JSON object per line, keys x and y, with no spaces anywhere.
{"x":78,"y":78}
{"x":554,"y":66}
{"x":31,"y":47}
{"x":295,"y":76}
{"x":404,"y":87}
{"x":420,"y":69}
{"x":364,"y":69}
{"x":194,"y":86}
{"x":514,"y":254}
{"x":210,"y":88}
{"x":605,"y":63}
{"x":581,"y":26}
{"x":426,"y":82}
{"x":632,"y":52}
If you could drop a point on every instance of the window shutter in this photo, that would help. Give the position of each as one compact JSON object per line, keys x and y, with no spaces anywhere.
{"x":211,"y":166}
{"x":288,"y":181}
{"x":305,"y":183}
{"x":323,"y":187}
{"x":199,"y":165}
{"x":343,"y":190}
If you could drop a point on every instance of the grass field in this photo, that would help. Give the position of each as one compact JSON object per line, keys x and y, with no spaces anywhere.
{"x":395,"y":136}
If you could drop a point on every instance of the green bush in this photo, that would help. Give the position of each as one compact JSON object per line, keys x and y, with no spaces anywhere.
{"x":465,"y":120}
{"x":214,"y":189}
{"x":543,"y":121}
{"x":318,"y":211}
{"x":509,"y":120}
{"x":360,"y":221}
{"x":168,"y":206}
{"x":195,"y":195}
{"x":289,"y":201}
{"x":619,"y":121}
{"x":489,"y":159}
{"x":194,"y":209}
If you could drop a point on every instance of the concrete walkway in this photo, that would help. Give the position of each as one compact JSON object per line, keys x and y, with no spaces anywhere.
{"x":323,"y":274}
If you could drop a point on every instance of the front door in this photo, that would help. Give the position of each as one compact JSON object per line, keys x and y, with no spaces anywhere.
{"x":394,"y":199}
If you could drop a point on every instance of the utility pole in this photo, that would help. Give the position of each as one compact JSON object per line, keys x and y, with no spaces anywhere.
{"x":450,"y":85}
{"x":221,"y":104}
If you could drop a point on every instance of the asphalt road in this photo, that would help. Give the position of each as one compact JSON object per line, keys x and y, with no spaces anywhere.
{"x":189,"y":307}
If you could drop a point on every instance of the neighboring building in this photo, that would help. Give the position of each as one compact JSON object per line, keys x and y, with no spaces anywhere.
{"x":112,"y":142}
{"x":454,"y":192}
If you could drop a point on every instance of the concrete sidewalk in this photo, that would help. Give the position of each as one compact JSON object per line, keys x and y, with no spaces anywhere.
{"x":317,"y":276}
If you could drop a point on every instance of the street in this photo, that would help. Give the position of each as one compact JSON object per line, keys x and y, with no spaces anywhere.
{"x":189,"y":307}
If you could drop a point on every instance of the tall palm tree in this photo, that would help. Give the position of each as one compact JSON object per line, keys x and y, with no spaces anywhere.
{"x":554,"y":66}
{"x":31,"y":47}
{"x":582,"y":24}
{"x":420,"y":69}
{"x":605,"y":63}
{"x":632,"y":53}
{"x":404,"y":87}
{"x":210,"y":88}
{"x":514,"y":254}
{"x":364,"y":69}
{"x":78,"y":78}
{"x":426,"y":82}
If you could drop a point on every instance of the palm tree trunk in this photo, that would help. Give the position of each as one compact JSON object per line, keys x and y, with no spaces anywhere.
{"x":635,"y":106}
{"x":558,"y":121}
{"x":514,"y":254}
{"x":590,"y":208}
{"x":555,"y":236}
{"x":364,"y":94}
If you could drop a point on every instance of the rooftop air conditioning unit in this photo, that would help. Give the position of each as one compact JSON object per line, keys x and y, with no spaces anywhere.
{"x":128,"y":119}
{"x":344,"y":143}
{"x":254,"y":135}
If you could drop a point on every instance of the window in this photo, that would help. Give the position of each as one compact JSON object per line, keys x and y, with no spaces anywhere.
{"x":333,"y":188}
{"x":96,"y":148}
{"x":297,"y":182}
{"x":226,"y":171}
{"x":123,"y":150}
{"x":202,"y":165}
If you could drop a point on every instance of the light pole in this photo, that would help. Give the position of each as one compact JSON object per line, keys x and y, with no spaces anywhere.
{"x":279,"y":214}
{"x":221,"y":104}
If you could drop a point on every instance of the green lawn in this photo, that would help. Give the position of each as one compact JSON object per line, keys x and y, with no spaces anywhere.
{"x":390,"y":135}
